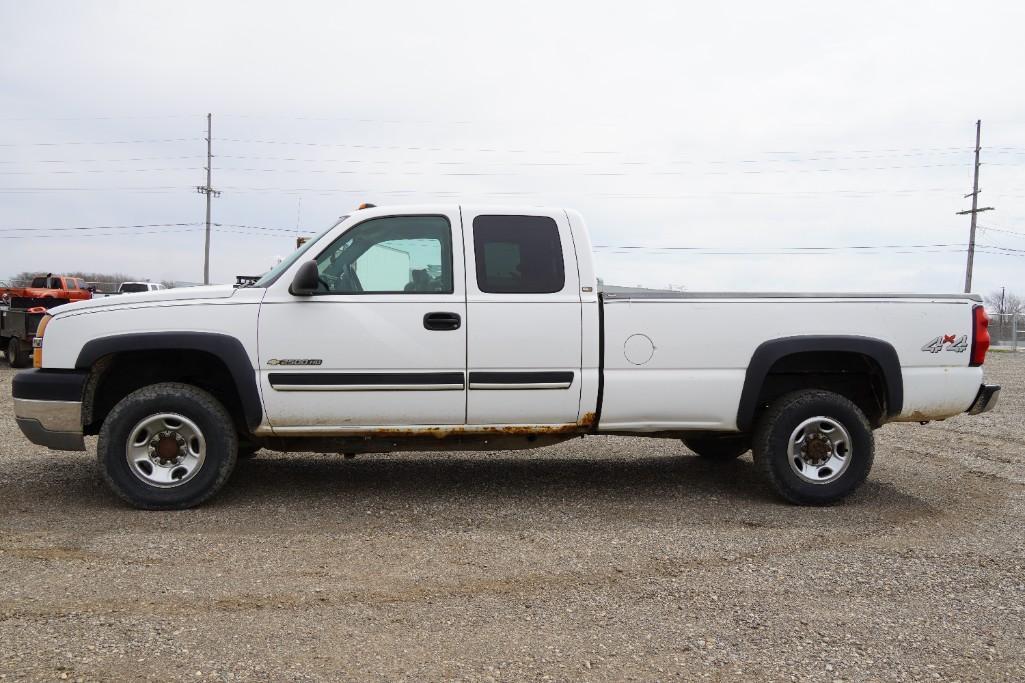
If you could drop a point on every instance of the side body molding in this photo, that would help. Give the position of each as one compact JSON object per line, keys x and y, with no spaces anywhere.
{"x":227,"y":348}
{"x":771,"y":351}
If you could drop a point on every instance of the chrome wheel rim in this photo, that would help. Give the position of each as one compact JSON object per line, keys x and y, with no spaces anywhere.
{"x":165,"y":450}
{"x":820,"y":450}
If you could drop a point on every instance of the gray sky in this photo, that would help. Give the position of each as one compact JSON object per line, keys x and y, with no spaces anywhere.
{"x":733,"y":126}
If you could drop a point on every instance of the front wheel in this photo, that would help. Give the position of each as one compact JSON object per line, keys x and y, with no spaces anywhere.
{"x":815,"y":447}
{"x":167,"y":446}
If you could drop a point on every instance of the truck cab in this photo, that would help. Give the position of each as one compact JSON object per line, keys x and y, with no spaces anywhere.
{"x":413,"y":323}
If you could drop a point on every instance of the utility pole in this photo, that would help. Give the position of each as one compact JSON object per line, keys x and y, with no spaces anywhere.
{"x":974,"y":211}
{"x":210,"y":192}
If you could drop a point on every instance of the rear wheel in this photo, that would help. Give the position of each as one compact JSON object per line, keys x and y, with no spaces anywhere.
{"x":167,"y":446}
{"x":719,"y":447}
{"x":17,"y":354}
{"x":815,"y":447}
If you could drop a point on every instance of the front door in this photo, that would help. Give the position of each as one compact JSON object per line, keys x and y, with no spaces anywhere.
{"x":524,"y":319}
{"x":383,"y":341}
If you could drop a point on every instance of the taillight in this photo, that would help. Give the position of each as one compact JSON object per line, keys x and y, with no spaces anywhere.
{"x":980,"y":336}
{"x":37,"y":342}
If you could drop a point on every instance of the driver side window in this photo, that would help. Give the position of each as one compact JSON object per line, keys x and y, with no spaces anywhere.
{"x":392,"y":255}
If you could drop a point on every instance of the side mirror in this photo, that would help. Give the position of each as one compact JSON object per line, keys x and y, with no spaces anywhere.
{"x":306,"y":280}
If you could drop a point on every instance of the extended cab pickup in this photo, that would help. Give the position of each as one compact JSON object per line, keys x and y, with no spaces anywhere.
{"x":466,"y":327}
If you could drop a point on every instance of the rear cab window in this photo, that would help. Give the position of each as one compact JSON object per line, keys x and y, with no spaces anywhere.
{"x":518,"y":255}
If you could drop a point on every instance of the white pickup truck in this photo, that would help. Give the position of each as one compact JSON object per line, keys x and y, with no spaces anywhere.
{"x":482,"y":328}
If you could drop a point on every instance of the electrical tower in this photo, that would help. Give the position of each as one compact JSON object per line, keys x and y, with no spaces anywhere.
{"x":210,"y":192}
{"x":974,"y":211}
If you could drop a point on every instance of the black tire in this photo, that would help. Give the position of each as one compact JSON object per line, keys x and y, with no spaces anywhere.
{"x":719,"y":447}
{"x":190,"y":402}
{"x":17,"y":356}
{"x":772,"y":435}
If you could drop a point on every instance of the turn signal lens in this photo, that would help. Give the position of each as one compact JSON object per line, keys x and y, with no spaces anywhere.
{"x":37,"y":342}
{"x":980,"y":336}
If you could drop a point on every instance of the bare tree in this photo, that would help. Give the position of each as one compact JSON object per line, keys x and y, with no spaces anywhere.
{"x":1006,"y":307}
{"x":1003,"y":302}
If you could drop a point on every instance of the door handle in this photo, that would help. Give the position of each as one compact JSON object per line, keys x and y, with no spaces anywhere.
{"x":442,"y":321}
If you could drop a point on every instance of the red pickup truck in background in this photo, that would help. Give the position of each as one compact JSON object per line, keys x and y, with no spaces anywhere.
{"x":21,"y":309}
{"x":49,"y":287}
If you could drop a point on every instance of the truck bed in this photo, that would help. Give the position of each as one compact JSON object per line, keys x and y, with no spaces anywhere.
{"x":669,"y":354}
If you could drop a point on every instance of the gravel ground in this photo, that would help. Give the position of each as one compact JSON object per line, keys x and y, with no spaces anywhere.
{"x":599,"y":559}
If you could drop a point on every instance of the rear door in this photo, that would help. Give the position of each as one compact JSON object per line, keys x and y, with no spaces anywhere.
{"x":523,"y":318}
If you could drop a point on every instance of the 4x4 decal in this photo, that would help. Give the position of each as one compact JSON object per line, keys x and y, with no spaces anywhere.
{"x":952,"y":342}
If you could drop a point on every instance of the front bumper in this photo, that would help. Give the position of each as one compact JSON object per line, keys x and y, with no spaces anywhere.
{"x":48,"y":407}
{"x":985,"y":400}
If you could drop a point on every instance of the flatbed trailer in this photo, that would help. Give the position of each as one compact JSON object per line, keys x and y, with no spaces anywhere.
{"x":19,"y":321}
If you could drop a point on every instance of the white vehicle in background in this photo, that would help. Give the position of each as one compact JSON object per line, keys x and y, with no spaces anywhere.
{"x":136,"y":287}
{"x":470,"y":327}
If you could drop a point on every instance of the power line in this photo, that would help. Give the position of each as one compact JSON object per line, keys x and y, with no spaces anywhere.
{"x":797,"y":248}
{"x":104,"y":170}
{"x":960,"y":250}
{"x":97,"y":161}
{"x":625,"y":173}
{"x":1001,"y":248}
{"x":566,"y":163}
{"x":146,"y":188}
{"x":103,"y":142}
{"x":1007,"y":232}
{"x":256,"y":227}
{"x":103,"y":234}
{"x":511,"y":193}
{"x":487,"y":150}
{"x":347,"y":118}
{"x":497,"y":173}
{"x":98,"y":227}
{"x":96,"y":118}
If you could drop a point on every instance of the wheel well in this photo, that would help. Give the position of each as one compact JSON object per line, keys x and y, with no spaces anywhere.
{"x":116,"y":375}
{"x":856,"y":376}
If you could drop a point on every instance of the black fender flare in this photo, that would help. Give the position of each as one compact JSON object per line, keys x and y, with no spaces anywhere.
{"x":228,"y":349}
{"x":767,"y":353}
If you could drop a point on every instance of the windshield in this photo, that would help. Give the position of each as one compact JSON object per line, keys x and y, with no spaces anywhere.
{"x":274,"y":273}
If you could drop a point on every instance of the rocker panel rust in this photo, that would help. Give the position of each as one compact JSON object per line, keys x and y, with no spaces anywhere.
{"x":586,"y":424}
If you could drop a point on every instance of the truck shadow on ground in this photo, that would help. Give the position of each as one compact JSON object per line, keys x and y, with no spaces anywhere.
{"x":505,"y":476}
{"x":654,"y":486}
{"x":684,"y":480}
